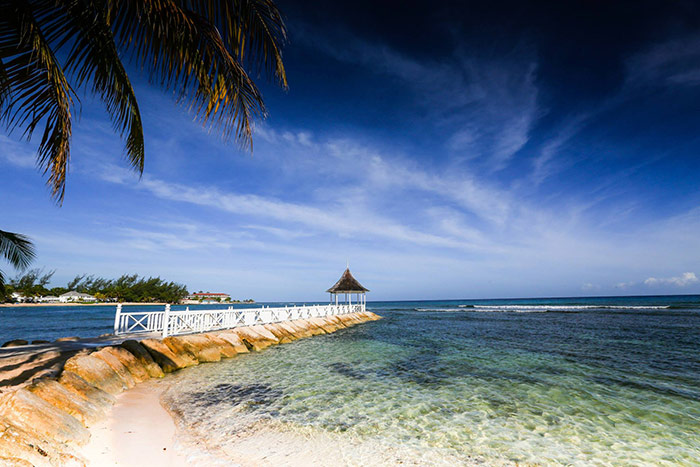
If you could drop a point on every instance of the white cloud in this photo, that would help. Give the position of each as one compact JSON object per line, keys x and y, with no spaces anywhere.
{"x":399,"y":203}
{"x":334,"y":217}
{"x":685,"y":279}
{"x":16,"y":153}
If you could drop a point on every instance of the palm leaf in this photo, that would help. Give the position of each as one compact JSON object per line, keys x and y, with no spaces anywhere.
{"x":17,"y":249}
{"x":94,"y":58}
{"x":197,"y":48}
{"x":252,"y":29}
{"x":184,"y":51}
{"x":39,"y":89}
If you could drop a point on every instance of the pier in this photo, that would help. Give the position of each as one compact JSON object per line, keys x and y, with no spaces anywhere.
{"x":178,"y":322}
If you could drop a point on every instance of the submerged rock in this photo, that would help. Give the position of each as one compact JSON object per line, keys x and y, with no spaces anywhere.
{"x":15,"y":343}
{"x":141,"y":354}
{"x":166,"y":358}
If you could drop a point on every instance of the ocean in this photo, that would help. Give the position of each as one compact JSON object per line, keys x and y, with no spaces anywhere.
{"x":575,"y":381}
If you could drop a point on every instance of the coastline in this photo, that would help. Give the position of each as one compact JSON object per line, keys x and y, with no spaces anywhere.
{"x":30,"y":305}
{"x":50,"y":418}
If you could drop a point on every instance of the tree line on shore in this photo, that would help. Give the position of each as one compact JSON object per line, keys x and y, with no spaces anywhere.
{"x":127,"y":288}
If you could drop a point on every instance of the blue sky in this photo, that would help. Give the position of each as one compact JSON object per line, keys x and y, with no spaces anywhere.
{"x":454,"y":153}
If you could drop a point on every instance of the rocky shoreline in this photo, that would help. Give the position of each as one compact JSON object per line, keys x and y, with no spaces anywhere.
{"x":44,"y":420}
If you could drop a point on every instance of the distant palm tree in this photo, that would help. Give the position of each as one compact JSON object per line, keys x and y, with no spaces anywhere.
{"x":17,"y":250}
{"x":203,"y":50}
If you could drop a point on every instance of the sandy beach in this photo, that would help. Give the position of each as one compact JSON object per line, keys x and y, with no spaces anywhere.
{"x":137,"y":432}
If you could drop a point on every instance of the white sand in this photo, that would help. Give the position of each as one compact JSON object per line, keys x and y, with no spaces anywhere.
{"x":137,"y":432}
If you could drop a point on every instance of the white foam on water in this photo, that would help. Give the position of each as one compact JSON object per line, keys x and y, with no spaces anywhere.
{"x":541,"y":308}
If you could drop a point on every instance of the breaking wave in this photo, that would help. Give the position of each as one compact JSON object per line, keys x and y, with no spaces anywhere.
{"x":543,"y":308}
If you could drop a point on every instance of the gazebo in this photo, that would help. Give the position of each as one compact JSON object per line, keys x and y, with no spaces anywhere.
{"x":348,"y":285}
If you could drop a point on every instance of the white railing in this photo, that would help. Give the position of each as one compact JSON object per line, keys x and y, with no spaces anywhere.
{"x":170,"y":322}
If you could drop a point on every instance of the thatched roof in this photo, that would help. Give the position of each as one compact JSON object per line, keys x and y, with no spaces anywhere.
{"x":347,"y":284}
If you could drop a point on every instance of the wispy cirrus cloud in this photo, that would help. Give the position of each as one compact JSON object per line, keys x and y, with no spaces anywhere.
{"x":488,"y":106}
{"x":672,"y":62}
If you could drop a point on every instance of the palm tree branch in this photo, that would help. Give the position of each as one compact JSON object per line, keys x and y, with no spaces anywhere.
{"x":185,"y":52}
{"x":253,"y":31}
{"x":94,"y":58}
{"x":39,"y":89}
{"x":17,"y":249}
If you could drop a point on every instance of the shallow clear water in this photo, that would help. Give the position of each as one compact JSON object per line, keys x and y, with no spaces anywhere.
{"x":597,"y":382}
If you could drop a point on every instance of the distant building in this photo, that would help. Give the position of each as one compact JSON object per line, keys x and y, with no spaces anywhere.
{"x":209,"y":296}
{"x":74,"y":296}
{"x":49,"y":299}
{"x":18,"y":297}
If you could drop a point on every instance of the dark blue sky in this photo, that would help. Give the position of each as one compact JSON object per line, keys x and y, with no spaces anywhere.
{"x":447,"y":150}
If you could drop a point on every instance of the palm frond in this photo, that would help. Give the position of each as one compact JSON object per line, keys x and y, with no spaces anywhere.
{"x":202,"y":50}
{"x":253,"y":31}
{"x":17,"y":249}
{"x":94,"y":58}
{"x":39,"y":89}
{"x":185,"y":52}
{"x":4,"y":87}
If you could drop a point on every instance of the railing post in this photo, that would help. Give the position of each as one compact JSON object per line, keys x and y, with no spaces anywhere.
{"x":166,"y":320}
{"x":117,"y":318}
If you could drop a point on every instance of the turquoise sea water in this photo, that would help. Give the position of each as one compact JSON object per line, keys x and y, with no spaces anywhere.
{"x":579,"y":381}
{"x":603,"y":381}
